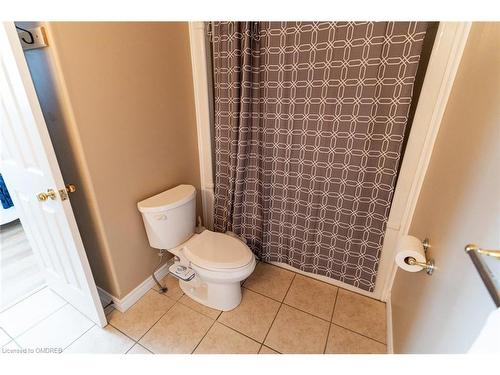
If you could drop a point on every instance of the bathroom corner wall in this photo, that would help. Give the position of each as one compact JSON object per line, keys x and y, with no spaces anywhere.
{"x":458,"y":204}
{"x":118,"y":100}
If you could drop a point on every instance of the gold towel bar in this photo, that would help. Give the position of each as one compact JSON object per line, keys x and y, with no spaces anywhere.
{"x":477,"y":249}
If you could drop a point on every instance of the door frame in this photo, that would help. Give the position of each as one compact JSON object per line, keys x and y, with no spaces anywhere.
{"x":25,"y":85}
{"x":199,"y":65}
{"x":443,"y":64}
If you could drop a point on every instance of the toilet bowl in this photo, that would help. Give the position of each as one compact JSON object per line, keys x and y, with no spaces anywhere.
{"x":219,"y":261}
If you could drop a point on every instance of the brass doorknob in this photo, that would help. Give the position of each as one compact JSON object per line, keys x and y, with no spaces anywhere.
{"x":70,"y":188}
{"x":44,"y":196}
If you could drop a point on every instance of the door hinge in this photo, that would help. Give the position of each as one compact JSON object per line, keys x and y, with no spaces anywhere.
{"x":32,"y":38}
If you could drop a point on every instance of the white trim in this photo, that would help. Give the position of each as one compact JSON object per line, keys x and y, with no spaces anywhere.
{"x":443,"y":65}
{"x":201,"y":101}
{"x":135,"y":295}
{"x":388,"y":319}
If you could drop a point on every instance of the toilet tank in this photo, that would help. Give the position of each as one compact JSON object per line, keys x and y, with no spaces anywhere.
{"x":169,"y":217}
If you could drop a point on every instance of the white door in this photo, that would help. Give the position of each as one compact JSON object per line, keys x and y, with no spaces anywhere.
{"x":30,"y":166}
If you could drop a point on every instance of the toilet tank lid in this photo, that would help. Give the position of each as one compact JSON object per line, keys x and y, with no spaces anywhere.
{"x":168,"y":199}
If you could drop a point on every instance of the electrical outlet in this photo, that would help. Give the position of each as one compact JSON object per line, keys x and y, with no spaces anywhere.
{"x":32,"y":38}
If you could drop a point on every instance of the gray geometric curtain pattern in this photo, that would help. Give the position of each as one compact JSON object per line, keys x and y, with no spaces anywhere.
{"x":309,"y":123}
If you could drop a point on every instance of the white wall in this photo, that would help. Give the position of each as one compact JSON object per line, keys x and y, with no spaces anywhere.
{"x":459,"y":203}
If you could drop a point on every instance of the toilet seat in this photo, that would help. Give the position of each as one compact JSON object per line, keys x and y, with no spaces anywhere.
{"x":217,"y":251}
{"x":210,"y":266}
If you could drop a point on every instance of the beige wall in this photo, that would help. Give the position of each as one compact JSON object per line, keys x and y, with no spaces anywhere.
{"x":459,"y":204}
{"x":132,"y":133}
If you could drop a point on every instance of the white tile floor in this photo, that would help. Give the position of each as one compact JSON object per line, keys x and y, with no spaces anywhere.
{"x":102,"y":340}
{"x":44,"y":321}
{"x":28,"y":312}
{"x":4,"y":337}
{"x":41,"y":320}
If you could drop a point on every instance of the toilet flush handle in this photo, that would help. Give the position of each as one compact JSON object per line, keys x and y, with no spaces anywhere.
{"x":161,"y":217}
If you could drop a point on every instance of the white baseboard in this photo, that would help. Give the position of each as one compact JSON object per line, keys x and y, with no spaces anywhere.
{"x":390,"y":337}
{"x":126,"y":302}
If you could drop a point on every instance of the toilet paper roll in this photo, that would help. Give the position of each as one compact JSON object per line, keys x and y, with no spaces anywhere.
{"x":409,"y":246}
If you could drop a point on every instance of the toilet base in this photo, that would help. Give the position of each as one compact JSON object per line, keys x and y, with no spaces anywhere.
{"x":223,"y":297}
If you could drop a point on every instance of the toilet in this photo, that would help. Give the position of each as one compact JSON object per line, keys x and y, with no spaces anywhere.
{"x":210,"y":265}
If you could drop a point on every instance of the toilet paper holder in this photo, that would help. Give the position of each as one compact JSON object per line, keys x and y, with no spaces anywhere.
{"x":429,"y":264}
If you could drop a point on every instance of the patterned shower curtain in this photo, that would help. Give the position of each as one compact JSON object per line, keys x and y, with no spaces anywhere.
{"x":310,"y":119}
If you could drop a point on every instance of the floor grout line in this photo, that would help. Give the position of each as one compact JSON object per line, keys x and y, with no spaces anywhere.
{"x":7,"y":334}
{"x":79,"y":337}
{"x":119,"y":330}
{"x":227,"y":326}
{"x":241,"y":333}
{"x":216,"y":320}
{"x":268,"y":348}
{"x":331,"y":318}
{"x":25,"y":298}
{"x":158,"y":292}
{"x":206,"y":333}
{"x":330,"y":322}
{"x":271,"y":326}
{"x":274,"y":299}
{"x":324,"y":282}
{"x":357,"y":333}
{"x":315,"y":316}
{"x":237,"y":331}
{"x":35,"y":325}
{"x":199,"y":312}
{"x":40,"y":321}
{"x":188,"y":307}
{"x":287,"y":304}
{"x":175,"y":302}
{"x":137,"y":341}
{"x":281,"y":304}
{"x":15,"y":342}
